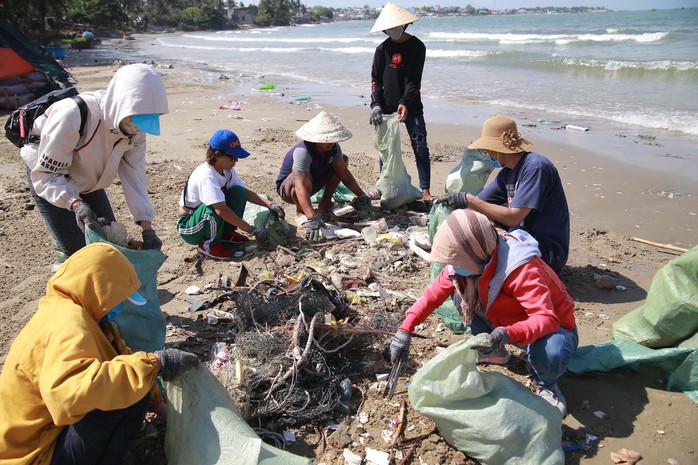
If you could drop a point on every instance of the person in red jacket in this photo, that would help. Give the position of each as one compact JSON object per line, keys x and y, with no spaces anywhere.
{"x":502,"y":287}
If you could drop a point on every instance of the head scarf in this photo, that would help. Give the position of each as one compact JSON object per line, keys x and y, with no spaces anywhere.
{"x":467,"y":240}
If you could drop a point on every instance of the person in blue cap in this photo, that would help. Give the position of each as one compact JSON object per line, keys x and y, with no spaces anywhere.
{"x":68,"y":169}
{"x":71,"y":390}
{"x":213,"y":200}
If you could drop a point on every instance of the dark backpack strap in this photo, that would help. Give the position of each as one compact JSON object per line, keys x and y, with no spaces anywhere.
{"x":184,"y":194}
{"x":82,"y":106}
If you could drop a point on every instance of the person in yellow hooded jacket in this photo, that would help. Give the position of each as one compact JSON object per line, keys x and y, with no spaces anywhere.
{"x":71,"y":392}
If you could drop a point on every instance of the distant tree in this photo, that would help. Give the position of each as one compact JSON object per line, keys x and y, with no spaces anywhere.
{"x":277,"y":12}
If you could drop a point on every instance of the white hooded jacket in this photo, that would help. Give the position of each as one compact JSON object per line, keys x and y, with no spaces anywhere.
{"x":63,"y":164}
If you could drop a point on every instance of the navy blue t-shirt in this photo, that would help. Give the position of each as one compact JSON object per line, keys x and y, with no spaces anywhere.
{"x":535,"y":183}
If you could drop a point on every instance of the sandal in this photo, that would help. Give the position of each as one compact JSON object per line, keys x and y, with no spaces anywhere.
{"x":373,"y":194}
{"x":301,"y":219}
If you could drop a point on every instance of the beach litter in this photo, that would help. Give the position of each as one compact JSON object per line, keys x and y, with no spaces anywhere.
{"x":233,"y":105}
{"x":576,"y":128}
{"x":549,"y":121}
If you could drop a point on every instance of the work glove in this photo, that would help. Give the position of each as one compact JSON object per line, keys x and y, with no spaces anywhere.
{"x":84,"y":215}
{"x":493,"y":341}
{"x":454,"y":200}
{"x":174,"y":362}
{"x":151,"y":240}
{"x":276,"y":211}
{"x":314,"y":225}
{"x":400,"y":346}
{"x":376,"y":117}
{"x":363,"y":202}
{"x":260,"y":234}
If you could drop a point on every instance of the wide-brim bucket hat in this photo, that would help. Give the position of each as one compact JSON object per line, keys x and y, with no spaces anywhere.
{"x":323,"y":129}
{"x":393,"y":16}
{"x":500,"y":134}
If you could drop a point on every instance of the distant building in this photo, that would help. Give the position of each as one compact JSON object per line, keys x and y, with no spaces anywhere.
{"x":244,"y":16}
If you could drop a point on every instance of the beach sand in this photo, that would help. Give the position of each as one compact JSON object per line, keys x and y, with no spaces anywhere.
{"x":609,"y":200}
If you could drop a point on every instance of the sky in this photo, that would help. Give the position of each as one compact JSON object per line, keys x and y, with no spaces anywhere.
{"x":509,"y":4}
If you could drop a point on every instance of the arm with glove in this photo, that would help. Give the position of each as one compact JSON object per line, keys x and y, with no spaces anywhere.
{"x":174,"y":362}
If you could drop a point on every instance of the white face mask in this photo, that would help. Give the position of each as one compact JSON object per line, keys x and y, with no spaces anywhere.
{"x":395,"y":32}
{"x":128,"y":127}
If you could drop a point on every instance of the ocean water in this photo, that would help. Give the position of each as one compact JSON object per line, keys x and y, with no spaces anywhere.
{"x":636,"y":68}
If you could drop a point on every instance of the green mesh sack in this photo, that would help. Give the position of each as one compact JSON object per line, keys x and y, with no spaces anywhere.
{"x":447,"y":311}
{"x":141,"y":327}
{"x":670,"y":312}
{"x":341,"y":194}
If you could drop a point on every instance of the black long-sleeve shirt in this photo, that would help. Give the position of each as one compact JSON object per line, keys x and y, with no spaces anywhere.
{"x":396,"y":75}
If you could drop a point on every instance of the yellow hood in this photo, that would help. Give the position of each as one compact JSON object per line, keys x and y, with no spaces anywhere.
{"x":97,"y":278}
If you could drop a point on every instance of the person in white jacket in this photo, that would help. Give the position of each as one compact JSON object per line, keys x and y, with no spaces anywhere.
{"x":68,"y":172}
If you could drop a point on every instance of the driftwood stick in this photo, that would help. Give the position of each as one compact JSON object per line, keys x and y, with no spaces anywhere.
{"x":659,"y":244}
{"x":402,"y":418}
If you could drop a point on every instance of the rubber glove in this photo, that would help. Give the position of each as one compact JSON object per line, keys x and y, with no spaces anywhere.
{"x":276,"y":211}
{"x":151,"y":240}
{"x":174,"y":362}
{"x":314,"y":225}
{"x":259,"y":234}
{"x":376,"y":117}
{"x":454,"y":200}
{"x":363,"y":202}
{"x":400,"y":346}
{"x":84,"y":215}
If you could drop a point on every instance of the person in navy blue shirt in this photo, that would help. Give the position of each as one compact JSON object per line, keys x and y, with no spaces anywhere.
{"x":526,"y":193}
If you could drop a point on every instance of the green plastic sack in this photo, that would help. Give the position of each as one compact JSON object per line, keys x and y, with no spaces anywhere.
{"x":259,"y":216}
{"x":679,"y":364}
{"x":341,"y":194}
{"x":470,"y":175}
{"x":489,"y":416}
{"x":394,"y":184}
{"x":670,"y":312}
{"x":141,"y":327}
{"x":205,"y":428}
{"x":447,"y":311}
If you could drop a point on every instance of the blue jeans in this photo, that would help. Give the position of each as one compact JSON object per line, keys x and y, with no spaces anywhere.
{"x":417,"y":130}
{"x":101,"y":437}
{"x":60,"y":222}
{"x":548,"y":356}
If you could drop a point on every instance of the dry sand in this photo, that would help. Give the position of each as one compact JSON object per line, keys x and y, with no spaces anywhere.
{"x":609,"y":202}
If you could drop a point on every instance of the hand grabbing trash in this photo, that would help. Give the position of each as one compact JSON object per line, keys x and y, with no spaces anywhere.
{"x":276,"y":211}
{"x":363,"y":202}
{"x":491,"y":342}
{"x":454,"y":200}
{"x":151,"y":240}
{"x":84,"y":215}
{"x":260,"y":234}
{"x":314,"y":225}
{"x":400,"y":346}
{"x":174,"y":362}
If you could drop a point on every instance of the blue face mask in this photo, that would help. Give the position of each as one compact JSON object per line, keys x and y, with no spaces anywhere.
{"x":462,"y":271}
{"x":495,"y":163}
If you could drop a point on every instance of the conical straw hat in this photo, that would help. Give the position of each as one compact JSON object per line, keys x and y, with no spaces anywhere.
{"x":392,"y":16}
{"x":323,"y":129}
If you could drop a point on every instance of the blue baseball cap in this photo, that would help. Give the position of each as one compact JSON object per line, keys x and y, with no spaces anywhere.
{"x":149,"y":123}
{"x":226,"y":141}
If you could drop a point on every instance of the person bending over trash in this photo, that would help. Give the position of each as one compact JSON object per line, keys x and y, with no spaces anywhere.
{"x":500,"y":285}
{"x":316,"y":162}
{"x":71,"y":391}
{"x":396,"y":81}
{"x":68,"y":172}
{"x":213,"y":201}
{"x":526,"y":193}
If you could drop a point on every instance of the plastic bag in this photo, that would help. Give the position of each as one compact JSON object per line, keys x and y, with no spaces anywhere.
{"x":205,"y":428}
{"x":259,"y":216}
{"x":680,"y":364}
{"x":394,"y":184}
{"x":470,"y":175}
{"x":670,"y":313}
{"x":341,"y":194}
{"x":489,"y":416}
{"x":141,"y":327}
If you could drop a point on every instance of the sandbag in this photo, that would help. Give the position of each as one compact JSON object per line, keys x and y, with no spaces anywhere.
{"x":141,"y":327}
{"x":205,"y":428}
{"x":670,"y":312}
{"x":489,"y":416}
{"x":394,"y":184}
{"x":470,"y":175}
